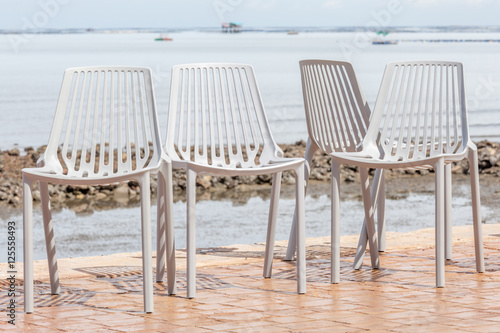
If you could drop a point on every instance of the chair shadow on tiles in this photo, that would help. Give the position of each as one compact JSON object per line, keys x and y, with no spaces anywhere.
{"x":128,"y":279}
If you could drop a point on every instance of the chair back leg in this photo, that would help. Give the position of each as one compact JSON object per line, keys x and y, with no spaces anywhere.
{"x":361,"y":248}
{"x":50,"y":243}
{"x":170,"y":236}
{"x":476,"y":210}
{"x":311,"y":148}
{"x":271,"y":225}
{"x":377,"y":194}
{"x":161,"y":228}
{"x":369,"y":206}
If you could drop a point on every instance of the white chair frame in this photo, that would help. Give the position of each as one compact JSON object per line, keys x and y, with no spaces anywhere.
{"x":426,"y":103}
{"x":337,"y":117}
{"x":102,"y":112}
{"x":217,"y":126}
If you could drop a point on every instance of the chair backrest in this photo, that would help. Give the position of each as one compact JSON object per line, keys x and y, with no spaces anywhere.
{"x":336,"y":110}
{"x":216,"y":117}
{"x":420,"y":110}
{"x":106,"y":123}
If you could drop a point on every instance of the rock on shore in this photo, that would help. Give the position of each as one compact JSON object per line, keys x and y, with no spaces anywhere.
{"x":12,"y":161}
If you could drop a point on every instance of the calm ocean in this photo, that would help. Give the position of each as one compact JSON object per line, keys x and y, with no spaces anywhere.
{"x":31,"y":72}
{"x":30,"y":78}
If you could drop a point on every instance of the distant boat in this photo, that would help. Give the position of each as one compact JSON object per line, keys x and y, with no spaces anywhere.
{"x":379,"y":41}
{"x":163,"y":37}
{"x":292,"y":32}
{"x":384,"y":42}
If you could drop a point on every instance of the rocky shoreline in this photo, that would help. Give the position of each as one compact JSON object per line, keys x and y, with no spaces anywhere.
{"x":84,"y":197}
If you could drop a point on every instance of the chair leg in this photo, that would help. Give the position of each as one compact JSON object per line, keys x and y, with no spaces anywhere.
{"x":361,"y":248}
{"x":292,"y":245}
{"x":368,"y":205}
{"x":160,"y":229}
{"x":448,"y":226}
{"x":50,"y":242}
{"x":377,"y":194}
{"x":147,"y":265}
{"x":28,"y":245}
{"x":271,"y":226}
{"x":311,"y":148}
{"x":440,"y":238}
{"x":301,"y":230}
{"x":170,"y":236}
{"x":335,"y":228}
{"x":381,"y":212}
{"x":476,"y":210}
{"x":191,"y":233}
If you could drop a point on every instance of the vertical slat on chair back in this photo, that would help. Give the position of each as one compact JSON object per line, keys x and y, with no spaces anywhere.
{"x":336,"y":111}
{"x":106,"y":122}
{"x":216,"y":116}
{"x":421,"y":109}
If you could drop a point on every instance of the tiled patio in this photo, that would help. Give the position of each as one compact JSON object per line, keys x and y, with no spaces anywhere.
{"x":233,"y":297}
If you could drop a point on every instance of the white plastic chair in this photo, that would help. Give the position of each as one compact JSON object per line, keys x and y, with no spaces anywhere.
{"x":217,"y":125}
{"x":420,"y":122}
{"x":109,"y":115}
{"x":337,"y":117}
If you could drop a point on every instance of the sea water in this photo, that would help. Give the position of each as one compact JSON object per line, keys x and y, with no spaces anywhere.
{"x":229,"y":221}
{"x":31,"y":72}
{"x":30,"y":78}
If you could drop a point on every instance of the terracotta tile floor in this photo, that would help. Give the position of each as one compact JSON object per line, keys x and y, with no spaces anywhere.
{"x":235,"y":298}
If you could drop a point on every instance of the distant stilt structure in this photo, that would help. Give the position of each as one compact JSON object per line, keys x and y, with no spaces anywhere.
{"x":231,"y":27}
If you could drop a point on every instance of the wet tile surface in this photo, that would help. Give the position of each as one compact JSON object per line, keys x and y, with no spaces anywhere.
{"x":398,"y":297}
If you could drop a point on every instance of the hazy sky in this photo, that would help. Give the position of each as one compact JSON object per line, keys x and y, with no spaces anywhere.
{"x":21,"y":14}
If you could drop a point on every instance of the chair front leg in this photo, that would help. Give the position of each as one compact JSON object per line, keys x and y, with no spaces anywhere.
{"x":335,"y":218}
{"x":476,"y":210}
{"x":440,"y":237}
{"x":381,"y":226}
{"x":271,"y":225}
{"x":448,"y":225}
{"x":147,"y":265}
{"x":28,"y":244}
{"x":191,"y":233}
{"x":300,"y":229}
{"x":50,"y":243}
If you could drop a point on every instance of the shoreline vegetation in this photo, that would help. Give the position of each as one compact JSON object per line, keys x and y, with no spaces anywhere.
{"x":83,"y":198}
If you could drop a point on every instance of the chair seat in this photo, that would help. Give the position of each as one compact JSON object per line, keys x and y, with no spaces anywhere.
{"x":366,"y":160}
{"x":270,"y":167}
{"x":49,"y":176}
